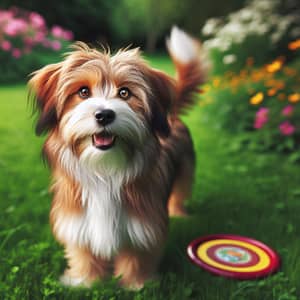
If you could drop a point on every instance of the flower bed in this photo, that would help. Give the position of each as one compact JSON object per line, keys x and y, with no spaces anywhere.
{"x":260,"y":105}
{"x":26,"y":43}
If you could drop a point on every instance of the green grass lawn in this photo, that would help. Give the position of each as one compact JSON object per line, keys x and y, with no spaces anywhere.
{"x":238,"y":192}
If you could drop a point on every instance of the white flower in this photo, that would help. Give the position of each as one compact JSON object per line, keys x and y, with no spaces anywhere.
{"x":229,"y":59}
{"x":211,"y":26}
{"x":246,"y":14}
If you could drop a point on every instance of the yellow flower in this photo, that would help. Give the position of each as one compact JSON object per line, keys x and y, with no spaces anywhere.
{"x":294,"y":97}
{"x":216,"y":82}
{"x":274,"y":66}
{"x":257,"y":98}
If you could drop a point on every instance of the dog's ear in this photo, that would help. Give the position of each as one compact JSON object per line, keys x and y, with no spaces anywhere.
{"x":43,"y":86}
{"x":163,"y":94}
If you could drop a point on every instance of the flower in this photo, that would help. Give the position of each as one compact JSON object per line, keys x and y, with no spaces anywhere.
{"x":60,"y":33}
{"x":294,"y":97}
{"x":68,"y":35}
{"x":294,"y":45}
{"x":16,"y":53}
{"x":274,"y":66}
{"x":229,"y":59}
{"x":37,"y":20}
{"x":57,"y":31}
{"x":56,"y":45}
{"x":288,"y":110}
{"x":261,"y":117}
{"x":271,"y":92}
{"x":15,"y":27}
{"x":286,"y":128}
{"x":5,"y":45}
{"x":257,"y":98}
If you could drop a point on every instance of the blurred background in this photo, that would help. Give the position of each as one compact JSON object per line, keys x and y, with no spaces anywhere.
{"x":253,"y":47}
{"x":245,"y":126}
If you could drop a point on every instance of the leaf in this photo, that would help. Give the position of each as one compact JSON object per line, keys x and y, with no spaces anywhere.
{"x":294,"y":157}
{"x":290,"y":228}
{"x":280,"y":205}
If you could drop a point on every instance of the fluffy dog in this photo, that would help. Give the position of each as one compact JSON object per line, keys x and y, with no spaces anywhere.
{"x":121,"y":158}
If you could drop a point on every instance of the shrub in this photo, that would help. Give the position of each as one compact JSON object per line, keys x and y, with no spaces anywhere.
{"x":258,"y":30}
{"x":26,"y":43}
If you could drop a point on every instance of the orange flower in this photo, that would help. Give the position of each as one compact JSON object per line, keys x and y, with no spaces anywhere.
{"x":294,"y":45}
{"x":271,"y":92}
{"x":257,"y":98}
{"x":271,"y":82}
{"x":257,"y":76}
{"x":274,"y":66}
{"x":294,"y":97}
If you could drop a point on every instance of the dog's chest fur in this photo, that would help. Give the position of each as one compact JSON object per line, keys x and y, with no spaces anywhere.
{"x":104,"y":225}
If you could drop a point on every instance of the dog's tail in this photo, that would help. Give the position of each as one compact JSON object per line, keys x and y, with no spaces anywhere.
{"x":191,"y":67}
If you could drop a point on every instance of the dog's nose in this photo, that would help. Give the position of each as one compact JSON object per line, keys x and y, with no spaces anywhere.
{"x":105,"y":117}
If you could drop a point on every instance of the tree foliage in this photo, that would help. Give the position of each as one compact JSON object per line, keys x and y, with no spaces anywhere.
{"x":124,"y":22}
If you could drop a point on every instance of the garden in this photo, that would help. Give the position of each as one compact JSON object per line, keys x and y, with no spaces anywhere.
{"x":245,"y":126}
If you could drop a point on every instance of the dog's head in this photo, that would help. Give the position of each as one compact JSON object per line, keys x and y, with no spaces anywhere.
{"x":102,"y":105}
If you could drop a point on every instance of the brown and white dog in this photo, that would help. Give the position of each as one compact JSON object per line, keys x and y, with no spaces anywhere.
{"x":121,"y":158}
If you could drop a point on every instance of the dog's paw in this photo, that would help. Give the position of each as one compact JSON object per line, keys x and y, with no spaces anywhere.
{"x":67,"y":280}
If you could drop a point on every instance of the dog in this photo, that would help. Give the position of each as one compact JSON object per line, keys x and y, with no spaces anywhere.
{"x":122,"y":161}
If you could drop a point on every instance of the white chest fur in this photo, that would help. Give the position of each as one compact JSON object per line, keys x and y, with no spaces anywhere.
{"x":104,"y":226}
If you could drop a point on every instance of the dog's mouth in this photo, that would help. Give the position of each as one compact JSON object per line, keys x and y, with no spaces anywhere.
{"x":104,"y":140}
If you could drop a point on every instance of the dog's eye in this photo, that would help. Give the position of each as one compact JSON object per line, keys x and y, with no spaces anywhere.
{"x":84,"y":92}
{"x":124,"y":93}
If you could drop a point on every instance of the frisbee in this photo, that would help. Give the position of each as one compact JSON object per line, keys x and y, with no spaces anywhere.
{"x":233,"y":256}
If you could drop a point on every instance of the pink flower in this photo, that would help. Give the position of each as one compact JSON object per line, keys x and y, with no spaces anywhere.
{"x":5,"y":15}
{"x":39,"y":36}
{"x":16,"y":53}
{"x":68,"y":35}
{"x":288,"y":110}
{"x":286,"y":128}
{"x":57,"y":31}
{"x":261,"y":117}
{"x":56,"y":45}
{"x":37,"y":20}
{"x":15,"y":27}
{"x":5,"y":45}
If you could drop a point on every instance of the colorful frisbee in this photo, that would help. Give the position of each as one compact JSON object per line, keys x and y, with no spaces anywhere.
{"x":233,"y":256}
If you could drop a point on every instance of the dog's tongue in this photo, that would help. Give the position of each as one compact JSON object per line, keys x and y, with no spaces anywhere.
{"x":101,"y":140}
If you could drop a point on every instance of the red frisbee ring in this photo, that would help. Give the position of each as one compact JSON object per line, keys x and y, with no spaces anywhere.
{"x":233,"y":256}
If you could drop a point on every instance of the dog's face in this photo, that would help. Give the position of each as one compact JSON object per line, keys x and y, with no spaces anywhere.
{"x":103,"y":108}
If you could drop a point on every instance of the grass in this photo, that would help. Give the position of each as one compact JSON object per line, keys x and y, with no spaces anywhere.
{"x":237,"y":192}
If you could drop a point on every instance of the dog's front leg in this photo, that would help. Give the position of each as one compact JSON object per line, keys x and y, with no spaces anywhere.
{"x":134,"y":267}
{"x":83,"y":267}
